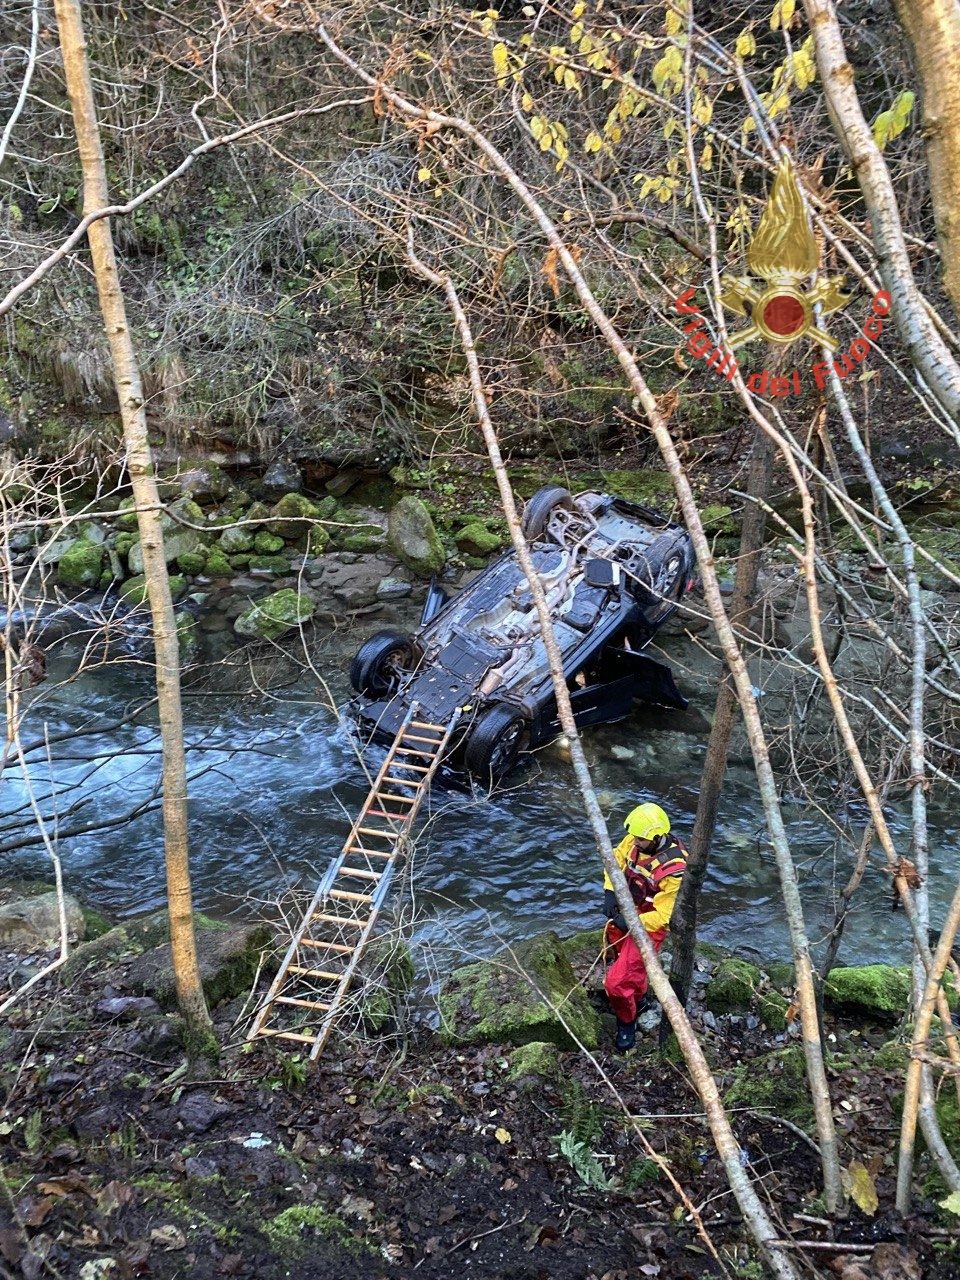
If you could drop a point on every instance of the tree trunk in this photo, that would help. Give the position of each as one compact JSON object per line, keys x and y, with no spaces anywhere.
{"x":190,"y":997}
{"x":683,"y":926}
{"x":934,"y":30}
{"x":929,"y":352}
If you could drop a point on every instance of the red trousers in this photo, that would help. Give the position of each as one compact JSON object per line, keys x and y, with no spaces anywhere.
{"x":626,"y":980}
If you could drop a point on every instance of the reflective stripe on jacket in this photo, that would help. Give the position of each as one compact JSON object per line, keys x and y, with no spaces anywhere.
{"x":654,"y":880}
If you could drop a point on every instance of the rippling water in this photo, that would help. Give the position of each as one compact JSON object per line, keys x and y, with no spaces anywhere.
{"x":276,"y":779}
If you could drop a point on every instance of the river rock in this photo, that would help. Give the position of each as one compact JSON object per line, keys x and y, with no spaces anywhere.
{"x":203,"y":480}
{"x":283,"y":476}
{"x":174,"y":546}
{"x":235,"y":540}
{"x":393,"y":589}
{"x":414,"y":538}
{"x":81,"y":564}
{"x":33,"y":924}
{"x":276,"y":614}
{"x":343,"y":482}
{"x":527,"y":993}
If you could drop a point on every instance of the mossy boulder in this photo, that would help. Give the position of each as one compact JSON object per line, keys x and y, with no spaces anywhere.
{"x":81,"y":565}
{"x":363,"y":541}
{"x":235,"y":539}
{"x":267,"y":544}
{"x":775,"y":1083}
{"x":228,"y":958}
{"x":881,"y":990}
{"x":124,"y":542}
{"x":732,"y":986}
{"x":217,"y":565}
{"x":274,"y":615}
{"x":270,"y":564}
{"x":718,"y":519}
{"x":413,"y":537}
{"x":291,"y":516}
{"x":527,"y":993}
{"x":388,"y":974}
{"x":476,"y":539}
{"x":192,"y":562}
{"x":650,"y":487}
{"x":134,"y":590}
{"x":537,"y":1059}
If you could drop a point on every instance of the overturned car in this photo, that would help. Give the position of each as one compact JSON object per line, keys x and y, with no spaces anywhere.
{"x":612,"y":572}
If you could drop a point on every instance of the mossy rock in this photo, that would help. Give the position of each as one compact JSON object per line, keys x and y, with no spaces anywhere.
{"x":413,"y":537}
{"x":134,"y":590}
{"x":276,"y":614}
{"x":537,"y":1059}
{"x":270,"y":564}
{"x":81,"y":565}
{"x":388,"y":973}
{"x":881,"y":990}
{"x":732,"y":986}
{"x":228,"y":957}
{"x":719,"y":519}
{"x":234,"y":540}
{"x":518,"y":997}
{"x":124,"y":542}
{"x":188,"y":634}
{"x":267,"y":544}
{"x":650,"y":487}
{"x":217,"y":565}
{"x":775,"y":1083}
{"x":892,"y":1056}
{"x":476,"y":539}
{"x":192,"y":562}
{"x":292,"y":515}
{"x":363,"y":542}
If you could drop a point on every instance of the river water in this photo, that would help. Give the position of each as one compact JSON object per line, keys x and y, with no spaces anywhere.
{"x":276,"y":778}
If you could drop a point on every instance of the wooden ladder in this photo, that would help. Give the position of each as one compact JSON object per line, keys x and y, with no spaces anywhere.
{"x":321,"y":962}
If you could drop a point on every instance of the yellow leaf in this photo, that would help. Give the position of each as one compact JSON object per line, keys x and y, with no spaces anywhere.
{"x":501,"y":60}
{"x":576,"y":32}
{"x":503,"y":1136}
{"x":570,"y":79}
{"x":775,"y":17}
{"x":424,"y":174}
{"x":787,"y":8}
{"x":537,"y":126}
{"x":592,"y":142}
{"x":527,"y":103}
{"x":578,"y":10}
{"x":860,"y":1187}
{"x":672,"y":22}
{"x":746,"y":44}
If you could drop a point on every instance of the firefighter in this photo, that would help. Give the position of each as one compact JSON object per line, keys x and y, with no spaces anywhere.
{"x":653,"y":861}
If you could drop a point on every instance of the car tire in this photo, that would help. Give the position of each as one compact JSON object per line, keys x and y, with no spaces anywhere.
{"x":538,"y":508}
{"x":373,"y":671}
{"x":494,"y":743}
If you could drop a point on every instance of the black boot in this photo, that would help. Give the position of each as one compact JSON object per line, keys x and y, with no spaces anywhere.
{"x":626,"y":1036}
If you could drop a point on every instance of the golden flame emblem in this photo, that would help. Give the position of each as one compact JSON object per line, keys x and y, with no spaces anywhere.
{"x":782,"y":253}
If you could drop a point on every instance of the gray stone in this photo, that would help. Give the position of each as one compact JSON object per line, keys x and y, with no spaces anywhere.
{"x":283,"y":476}
{"x":33,"y":924}
{"x":393,"y":589}
{"x":414,"y":538}
{"x":199,"y":1111}
{"x":343,"y":482}
{"x":276,"y":614}
{"x":127,"y":1006}
{"x":235,"y":540}
{"x":206,"y":480}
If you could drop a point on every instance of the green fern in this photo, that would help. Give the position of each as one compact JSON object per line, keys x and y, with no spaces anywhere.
{"x":582,"y":1161}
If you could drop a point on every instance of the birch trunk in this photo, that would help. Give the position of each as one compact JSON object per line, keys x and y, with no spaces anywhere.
{"x":930,"y":354}
{"x":934,"y":30}
{"x":726,"y":1143}
{"x":129,"y":389}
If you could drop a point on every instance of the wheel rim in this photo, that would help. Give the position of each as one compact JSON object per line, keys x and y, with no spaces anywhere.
{"x":504,"y":753}
{"x":385,"y":679}
{"x":672,"y":572}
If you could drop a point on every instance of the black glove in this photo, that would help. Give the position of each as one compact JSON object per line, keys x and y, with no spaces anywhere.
{"x":612,"y":910}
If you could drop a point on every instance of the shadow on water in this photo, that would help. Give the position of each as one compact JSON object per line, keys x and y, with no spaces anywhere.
{"x":276,"y":779}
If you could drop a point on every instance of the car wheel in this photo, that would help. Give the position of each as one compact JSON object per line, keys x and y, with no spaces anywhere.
{"x":379,"y":662}
{"x":672,"y":576}
{"x":538,"y":508}
{"x":494,"y":743}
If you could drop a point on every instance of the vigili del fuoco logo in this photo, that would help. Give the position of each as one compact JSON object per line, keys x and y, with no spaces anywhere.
{"x":782,"y":256}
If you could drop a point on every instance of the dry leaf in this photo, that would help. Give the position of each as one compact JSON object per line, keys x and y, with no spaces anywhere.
{"x":168,"y":1237}
{"x":860,"y":1187}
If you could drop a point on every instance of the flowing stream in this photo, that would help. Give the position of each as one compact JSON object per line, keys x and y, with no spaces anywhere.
{"x":276,"y":779}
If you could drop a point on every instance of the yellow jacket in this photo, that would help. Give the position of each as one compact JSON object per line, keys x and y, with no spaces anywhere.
{"x":654,"y":881}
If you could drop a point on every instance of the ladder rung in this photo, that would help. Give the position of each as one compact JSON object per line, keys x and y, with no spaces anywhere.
{"x":416,"y":737}
{"x":420,"y":768}
{"x":354,"y":924}
{"x":301,"y":1004}
{"x":416,"y":783}
{"x":375,"y":831}
{"x":350,"y":896}
{"x":423,"y":724}
{"x":320,"y":945}
{"x":360,"y":875}
{"x":387,"y":795}
{"x":385,"y":813}
{"x":413,"y":751}
{"x":307,"y":973}
{"x":369,"y":853}
{"x":287,"y":1035}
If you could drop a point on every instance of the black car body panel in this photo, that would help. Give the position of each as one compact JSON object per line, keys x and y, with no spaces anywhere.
{"x":612,"y":572}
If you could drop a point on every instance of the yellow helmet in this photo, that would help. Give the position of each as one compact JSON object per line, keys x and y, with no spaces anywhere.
{"x":647,"y":821}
